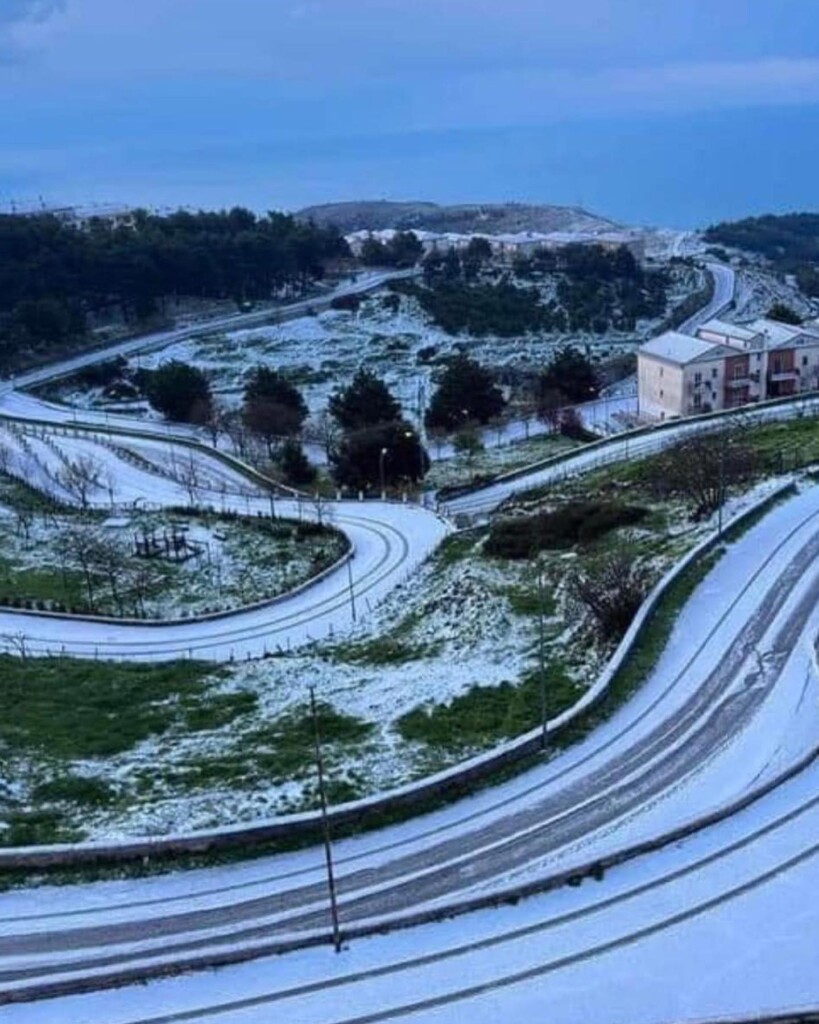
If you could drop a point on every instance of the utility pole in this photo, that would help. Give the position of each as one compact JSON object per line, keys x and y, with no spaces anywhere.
{"x":325,"y":823}
{"x":544,"y":721}
{"x":350,"y":582}
{"x":721,"y":488}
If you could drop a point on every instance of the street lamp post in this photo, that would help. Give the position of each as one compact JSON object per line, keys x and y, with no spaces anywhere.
{"x":410,"y":435}
{"x":381,"y":456}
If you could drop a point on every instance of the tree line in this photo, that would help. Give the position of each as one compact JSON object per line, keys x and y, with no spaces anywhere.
{"x":57,"y":276}
{"x":790,"y":241}
{"x":595,"y":290}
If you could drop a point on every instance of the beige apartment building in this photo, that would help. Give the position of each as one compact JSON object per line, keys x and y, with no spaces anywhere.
{"x":725,"y":366}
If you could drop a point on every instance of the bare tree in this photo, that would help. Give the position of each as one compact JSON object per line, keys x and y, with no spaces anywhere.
{"x":702,"y":469}
{"x":320,"y":507}
{"x":188,"y":473}
{"x":326,"y":431}
{"x":233,"y":425}
{"x":109,"y":559}
{"x":549,"y":405}
{"x":80,"y":477}
{"x":77,"y":548}
{"x":143,"y":580}
{"x":24,"y":518}
{"x":611,"y":588}
{"x":215,"y":422}
{"x":15,"y":643}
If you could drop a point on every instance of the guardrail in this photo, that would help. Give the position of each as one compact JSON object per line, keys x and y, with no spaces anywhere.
{"x":806,"y":400}
{"x":444,"y":785}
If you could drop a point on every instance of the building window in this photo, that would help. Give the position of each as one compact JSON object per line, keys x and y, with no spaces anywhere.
{"x":661,"y":392}
{"x":804,"y":360}
{"x":661,"y":371}
{"x":714,"y":372}
{"x":697,"y":378}
{"x":697,"y":400}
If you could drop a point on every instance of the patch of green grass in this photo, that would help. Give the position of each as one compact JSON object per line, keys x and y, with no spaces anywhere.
{"x":218,"y":710}
{"x":68,"y":708}
{"x":576,"y":522}
{"x":384,"y":650}
{"x":278,"y":751}
{"x":40,"y":585}
{"x":37,"y":828}
{"x":74,"y":789}
{"x":458,"y":546}
{"x":529,"y":601}
{"x":489,"y":714}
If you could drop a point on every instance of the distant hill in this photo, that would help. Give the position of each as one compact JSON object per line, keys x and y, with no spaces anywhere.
{"x":491,"y":219}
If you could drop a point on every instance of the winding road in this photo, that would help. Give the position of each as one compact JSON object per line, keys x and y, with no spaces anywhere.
{"x":729,"y":716}
{"x":660,"y":760}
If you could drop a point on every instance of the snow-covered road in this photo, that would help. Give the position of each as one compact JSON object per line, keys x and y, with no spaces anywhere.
{"x":724,"y":280}
{"x":363,"y":282}
{"x":718,"y":925}
{"x":483,"y":500}
{"x":389,"y":540}
{"x":732,"y":701}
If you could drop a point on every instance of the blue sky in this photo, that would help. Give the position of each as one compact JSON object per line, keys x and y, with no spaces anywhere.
{"x":649,"y":111}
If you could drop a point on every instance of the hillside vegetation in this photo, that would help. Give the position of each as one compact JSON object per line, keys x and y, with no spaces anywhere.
{"x":579,"y":288}
{"x":57,"y":277}
{"x":789,"y":241}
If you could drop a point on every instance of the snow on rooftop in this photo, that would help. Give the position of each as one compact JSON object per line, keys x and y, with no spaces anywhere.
{"x":776,"y":333}
{"x":717,"y":326}
{"x":680,"y":348}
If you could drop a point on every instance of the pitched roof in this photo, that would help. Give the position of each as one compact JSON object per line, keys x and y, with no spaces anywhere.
{"x":722,"y":327}
{"x":775,"y":333}
{"x":682,"y":348}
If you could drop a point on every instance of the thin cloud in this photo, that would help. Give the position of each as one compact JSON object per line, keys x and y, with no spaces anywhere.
{"x":14,"y":11}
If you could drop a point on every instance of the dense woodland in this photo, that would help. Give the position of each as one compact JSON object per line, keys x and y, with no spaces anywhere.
{"x":57,"y":277}
{"x":790,"y":242}
{"x":594,"y":290}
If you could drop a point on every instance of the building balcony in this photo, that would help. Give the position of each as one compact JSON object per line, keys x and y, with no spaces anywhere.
{"x":738,"y":382}
{"x":784,"y":375}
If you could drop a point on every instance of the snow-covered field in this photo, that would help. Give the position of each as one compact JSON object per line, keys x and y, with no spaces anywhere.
{"x":321,"y":353}
{"x":758,"y":289}
{"x":186,"y":565}
{"x":451,"y":625}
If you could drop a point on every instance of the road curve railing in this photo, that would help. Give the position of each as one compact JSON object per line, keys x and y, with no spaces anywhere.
{"x":454,"y":499}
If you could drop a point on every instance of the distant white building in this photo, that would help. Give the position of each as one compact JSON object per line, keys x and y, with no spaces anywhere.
{"x":725,"y":366}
